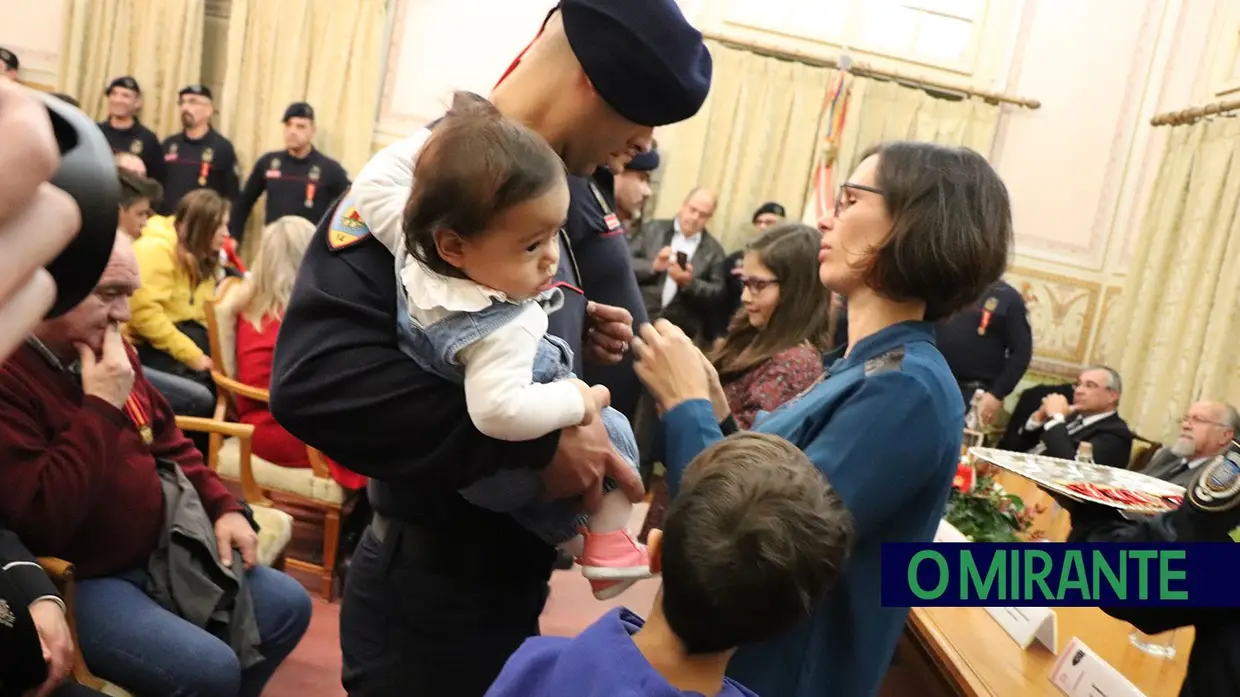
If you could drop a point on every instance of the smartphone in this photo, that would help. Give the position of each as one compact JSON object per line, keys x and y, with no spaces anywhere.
{"x":682,"y":259}
{"x":88,"y":174}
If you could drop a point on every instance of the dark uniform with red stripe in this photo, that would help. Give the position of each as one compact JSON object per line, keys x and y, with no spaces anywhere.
{"x":302,"y":186}
{"x":137,"y":139}
{"x":440,"y":592}
{"x":208,"y":162}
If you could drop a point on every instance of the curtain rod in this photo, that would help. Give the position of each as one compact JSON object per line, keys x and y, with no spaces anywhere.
{"x":863,"y":70}
{"x":1192,"y":114}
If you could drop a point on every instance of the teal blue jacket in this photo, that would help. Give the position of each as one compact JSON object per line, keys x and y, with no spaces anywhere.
{"x":885,"y":427}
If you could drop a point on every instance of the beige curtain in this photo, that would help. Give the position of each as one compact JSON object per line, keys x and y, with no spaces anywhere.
{"x":753,"y":140}
{"x":1178,"y":326}
{"x":158,"y":42}
{"x":881,"y":110}
{"x":325,"y":52}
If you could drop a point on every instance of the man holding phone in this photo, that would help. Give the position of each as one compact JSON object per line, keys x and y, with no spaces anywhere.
{"x":679,"y":266}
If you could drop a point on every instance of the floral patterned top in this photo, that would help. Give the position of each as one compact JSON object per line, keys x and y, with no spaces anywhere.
{"x":768,"y":385}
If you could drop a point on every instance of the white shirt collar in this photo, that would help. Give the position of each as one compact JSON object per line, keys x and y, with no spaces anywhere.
{"x":693,"y":239}
{"x":428,"y":290}
{"x":1095,"y":418}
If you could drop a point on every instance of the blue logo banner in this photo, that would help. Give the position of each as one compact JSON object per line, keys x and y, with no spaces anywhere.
{"x":1058,"y":574}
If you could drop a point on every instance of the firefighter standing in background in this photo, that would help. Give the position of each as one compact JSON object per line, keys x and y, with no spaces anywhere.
{"x":299,"y":180}
{"x":198,"y":157}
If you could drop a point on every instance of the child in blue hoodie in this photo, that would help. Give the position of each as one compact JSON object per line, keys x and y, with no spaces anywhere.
{"x":754,"y":540}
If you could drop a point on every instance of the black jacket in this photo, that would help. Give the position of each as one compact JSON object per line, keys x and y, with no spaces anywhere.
{"x":1029,"y":402}
{"x":1111,"y":438}
{"x":1214,"y":663}
{"x":305,"y":187}
{"x":695,"y":306}
{"x":22,"y":581}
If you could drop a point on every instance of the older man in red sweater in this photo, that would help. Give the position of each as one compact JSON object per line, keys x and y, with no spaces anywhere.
{"x":81,"y":431}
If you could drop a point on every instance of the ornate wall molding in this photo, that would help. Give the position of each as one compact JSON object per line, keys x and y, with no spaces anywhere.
{"x":1062,"y":310}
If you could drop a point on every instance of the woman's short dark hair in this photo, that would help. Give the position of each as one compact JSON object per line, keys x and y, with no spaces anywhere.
{"x":135,"y":188}
{"x":951,"y":226}
{"x":790,"y":251}
{"x":475,"y":165}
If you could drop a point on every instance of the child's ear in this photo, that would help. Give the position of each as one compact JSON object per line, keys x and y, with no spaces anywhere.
{"x":451,"y":246}
{"x":654,"y":546}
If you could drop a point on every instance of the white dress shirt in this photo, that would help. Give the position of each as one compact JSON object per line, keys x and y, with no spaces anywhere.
{"x":1033,"y":425}
{"x":680,"y":243}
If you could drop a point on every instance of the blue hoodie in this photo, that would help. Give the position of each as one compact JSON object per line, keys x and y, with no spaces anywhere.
{"x":602,"y":661}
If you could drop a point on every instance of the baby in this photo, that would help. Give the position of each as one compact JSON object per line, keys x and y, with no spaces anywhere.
{"x":476,"y":257}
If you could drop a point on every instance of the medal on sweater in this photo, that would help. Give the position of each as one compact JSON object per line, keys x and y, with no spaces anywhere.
{"x":207,"y":156}
{"x":987,"y":309}
{"x":135,"y":146}
{"x":137,"y":414}
{"x":315,"y":172}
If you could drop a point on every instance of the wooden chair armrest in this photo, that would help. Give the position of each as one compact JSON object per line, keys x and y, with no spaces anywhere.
{"x":223,"y":428}
{"x":318,"y":464}
{"x":240,"y":388}
{"x":244,"y":434}
{"x":59,"y":570}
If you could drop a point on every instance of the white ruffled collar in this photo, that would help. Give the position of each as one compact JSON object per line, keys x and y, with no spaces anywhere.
{"x":428,"y":290}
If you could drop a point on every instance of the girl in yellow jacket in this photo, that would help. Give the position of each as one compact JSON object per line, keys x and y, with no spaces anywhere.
{"x":179,"y":273}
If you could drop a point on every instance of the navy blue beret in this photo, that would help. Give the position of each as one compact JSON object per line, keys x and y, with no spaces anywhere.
{"x":642,"y":56}
{"x":198,"y":89}
{"x":9,"y":59}
{"x":299,"y":110}
{"x":769,"y":207}
{"x":127,"y":82}
{"x":644,"y":162}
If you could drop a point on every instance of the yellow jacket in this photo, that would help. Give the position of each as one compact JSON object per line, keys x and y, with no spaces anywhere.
{"x":166,"y":296}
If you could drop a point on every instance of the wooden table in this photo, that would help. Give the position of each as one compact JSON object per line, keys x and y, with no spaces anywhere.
{"x":978,"y":659}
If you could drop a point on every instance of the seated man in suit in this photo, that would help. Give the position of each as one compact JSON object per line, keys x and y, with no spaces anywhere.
{"x":685,"y":294}
{"x":1205,"y":431}
{"x":1058,"y":428}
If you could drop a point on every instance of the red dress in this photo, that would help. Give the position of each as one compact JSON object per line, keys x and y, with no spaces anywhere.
{"x":255,"y":352}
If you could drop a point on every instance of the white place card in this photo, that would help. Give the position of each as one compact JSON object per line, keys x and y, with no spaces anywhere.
{"x":948,"y":533}
{"x":1027,"y":624}
{"x":1080,"y":672}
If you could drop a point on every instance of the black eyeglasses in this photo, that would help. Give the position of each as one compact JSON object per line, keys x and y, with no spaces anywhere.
{"x":842,"y":204}
{"x":757,"y":285}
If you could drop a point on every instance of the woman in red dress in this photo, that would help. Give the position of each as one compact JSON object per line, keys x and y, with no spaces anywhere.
{"x":262,"y":298}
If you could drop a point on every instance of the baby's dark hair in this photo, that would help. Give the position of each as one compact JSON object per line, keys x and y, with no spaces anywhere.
{"x":755,"y":538}
{"x":475,"y":165}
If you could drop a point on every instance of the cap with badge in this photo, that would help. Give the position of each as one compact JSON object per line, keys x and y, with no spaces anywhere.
{"x":769,"y":207}
{"x":642,"y":57}
{"x":9,"y":59}
{"x":643,"y":162}
{"x":198,"y":89}
{"x":126,"y":82}
{"x":298,"y":110}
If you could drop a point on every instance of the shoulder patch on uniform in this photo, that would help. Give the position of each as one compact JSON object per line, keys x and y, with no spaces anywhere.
{"x":347,"y":227}
{"x":1216,"y":488}
{"x":893,"y":360}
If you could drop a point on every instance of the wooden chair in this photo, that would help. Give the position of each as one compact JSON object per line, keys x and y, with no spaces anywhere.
{"x":312,"y":487}
{"x":276,"y":529}
{"x":1143,"y":450}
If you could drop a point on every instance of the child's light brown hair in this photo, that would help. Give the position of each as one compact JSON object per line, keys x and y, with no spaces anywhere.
{"x":475,"y":166}
{"x":755,"y":538}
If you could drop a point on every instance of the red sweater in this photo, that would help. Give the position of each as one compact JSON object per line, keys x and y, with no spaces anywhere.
{"x":256,"y":350}
{"x":76,"y":479}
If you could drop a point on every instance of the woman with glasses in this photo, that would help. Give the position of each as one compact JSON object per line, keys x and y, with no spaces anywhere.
{"x":918,"y":232}
{"x":774,"y":344}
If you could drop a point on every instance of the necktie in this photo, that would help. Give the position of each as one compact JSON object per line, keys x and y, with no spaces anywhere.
{"x":1074,"y":425}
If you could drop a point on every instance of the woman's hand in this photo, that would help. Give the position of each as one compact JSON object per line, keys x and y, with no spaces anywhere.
{"x":670,"y":365}
{"x":202,"y":364}
{"x":718,"y":398}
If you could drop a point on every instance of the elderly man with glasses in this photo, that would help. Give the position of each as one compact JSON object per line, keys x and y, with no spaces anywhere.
{"x":1205,"y":431}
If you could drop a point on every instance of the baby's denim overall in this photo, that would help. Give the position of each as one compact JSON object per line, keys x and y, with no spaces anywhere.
{"x":513,"y":491}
